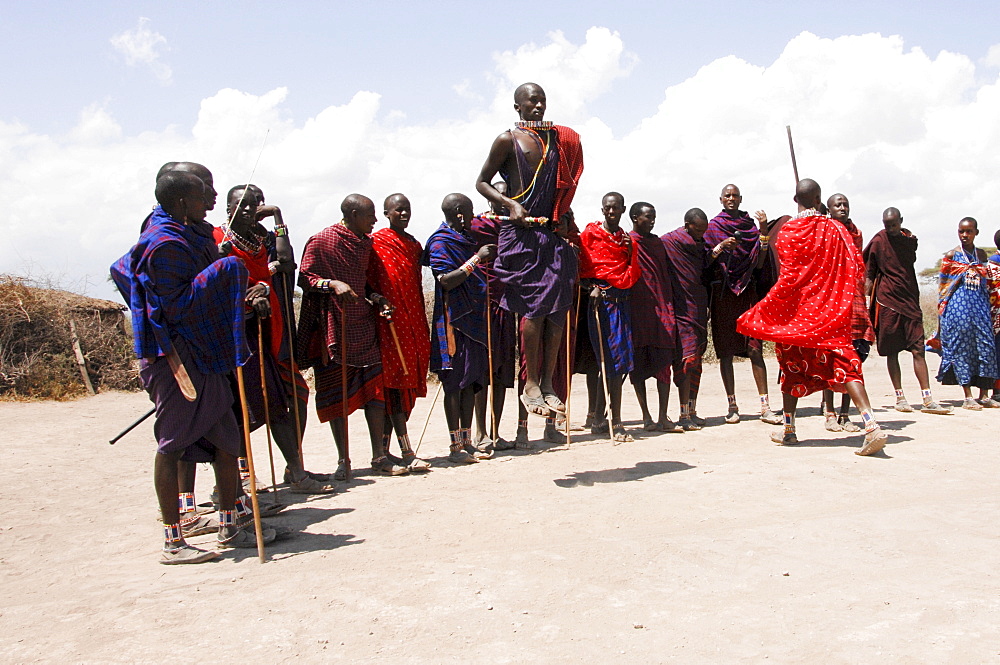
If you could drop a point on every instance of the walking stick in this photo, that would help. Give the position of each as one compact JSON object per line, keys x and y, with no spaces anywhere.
{"x":267,"y":410}
{"x":131,"y":427}
{"x":489,"y":353}
{"x":343,"y":388}
{"x":428,"y":418}
{"x":791,"y":148}
{"x":569,"y":372}
{"x":253,"y":483}
{"x":606,"y":384}
{"x":289,"y":315}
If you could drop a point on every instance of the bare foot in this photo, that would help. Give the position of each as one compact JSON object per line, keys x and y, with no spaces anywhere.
{"x":533,"y":402}
{"x":521,"y":442}
{"x":667,"y":425}
{"x":649,"y":425}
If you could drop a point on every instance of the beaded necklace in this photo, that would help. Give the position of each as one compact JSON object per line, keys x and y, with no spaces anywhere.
{"x":249,"y":245}
{"x":533,"y":124}
{"x":544,"y":145}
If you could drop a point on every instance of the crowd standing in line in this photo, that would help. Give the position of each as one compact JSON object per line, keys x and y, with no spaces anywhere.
{"x":520,"y":291}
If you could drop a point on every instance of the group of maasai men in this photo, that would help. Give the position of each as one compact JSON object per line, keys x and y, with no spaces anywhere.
{"x":520,"y":292}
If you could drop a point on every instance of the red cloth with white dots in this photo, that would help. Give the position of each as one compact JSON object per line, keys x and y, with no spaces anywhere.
{"x":808,"y":312}
{"x":395,"y":273}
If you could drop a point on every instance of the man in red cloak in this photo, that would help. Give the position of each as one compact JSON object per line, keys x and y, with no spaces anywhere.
{"x":808,"y":314}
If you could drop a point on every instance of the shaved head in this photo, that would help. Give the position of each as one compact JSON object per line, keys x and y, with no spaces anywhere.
{"x":354,"y":203}
{"x":695,"y":214}
{"x":457,"y":209}
{"x":808,"y":193}
{"x":393,"y":198}
{"x":889,"y":213}
{"x":524,"y":91}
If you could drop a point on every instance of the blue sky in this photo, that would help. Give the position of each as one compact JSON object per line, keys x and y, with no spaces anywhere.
{"x":673,"y":100}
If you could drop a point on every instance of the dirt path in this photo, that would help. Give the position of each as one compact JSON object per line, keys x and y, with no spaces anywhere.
{"x":705,"y":547}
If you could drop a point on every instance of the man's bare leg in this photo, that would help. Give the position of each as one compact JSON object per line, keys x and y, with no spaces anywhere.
{"x":729,"y":383}
{"x":663,"y":422}
{"x":875,"y":436}
{"x":896,"y":377}
{"x":381,"y":464}
{"x":930,"y":405}
{"x":165,"y":481}
{"x":684,"y":395}
{"x":532,"y":333}
{"x":787,"y":437}
{"x":759,"y":370}
{"x":552,"y":338}
{"x":829,"y":414}
{"x":640,"y":395}
{"x":343,"y":472}
{"x":595,"y":392}
{"x":617,"y":428}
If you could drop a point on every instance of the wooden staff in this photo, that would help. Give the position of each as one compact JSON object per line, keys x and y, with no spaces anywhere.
{"x":289,"y":315}
{"x":505,"y":218}
{"x":253,"y":482}
{"x":791,"y":149}
{"x":395,"y":339}
{"x":267,"y":410}
{"x":428,"y":418}
{"x":489,"y":353}
{"x":569,"y":371}
{"x":132,"y":426}
{"x":604,"y":370}
{"x":343,"y":388}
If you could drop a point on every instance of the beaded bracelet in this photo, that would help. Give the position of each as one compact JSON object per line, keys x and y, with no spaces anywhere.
{"x":273,"y":266}
{"x":470,"y":265}
{"x":717,"y":250}
{"x":280,"y":230}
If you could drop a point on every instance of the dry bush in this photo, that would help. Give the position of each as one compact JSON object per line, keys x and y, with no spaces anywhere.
{"x":36,"y":352}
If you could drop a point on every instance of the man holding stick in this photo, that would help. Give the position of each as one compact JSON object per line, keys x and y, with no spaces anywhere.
{"x":541,"y":164}
{"x":807,"y":313}
{"x":267,"y":256}
{"x":187,"y":318}
{"x":338,"y":333}
{"x":459,"y":353}
{"x":395,"y":273}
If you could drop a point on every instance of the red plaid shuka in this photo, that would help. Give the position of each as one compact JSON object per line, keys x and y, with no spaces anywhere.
{"x":336,"y":253}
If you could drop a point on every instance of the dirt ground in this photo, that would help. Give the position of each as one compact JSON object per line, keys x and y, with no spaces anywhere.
{"x":704,"y":547}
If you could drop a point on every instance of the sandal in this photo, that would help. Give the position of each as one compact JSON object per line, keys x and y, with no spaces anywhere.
{"x":246,"y":538}
{"x":309,"y":485}
{"x":903,"y":406}
{"x":460,"y":456}
{"x":553,"y":402}
{"x":343,"y":472}
{"x":733,"y":417}
{"x":383,"y":466}
{"x":415,"y":464}
{"x":536,"y":406}
{"x":874,"y":442}
{"x":688,"y":425}
{"x":771,"y":418}
{"x":185,"y":554}
{"x":934,"y":407}
{"x":199,"y":526}
{"x":621,"y":435}
{"x":972,"y":405}
{"x":321,"y":477}
{"x":785,"y":438}
{"x":832,"y":425}
{"x":502,"y":444}
{"x":846,"y":424}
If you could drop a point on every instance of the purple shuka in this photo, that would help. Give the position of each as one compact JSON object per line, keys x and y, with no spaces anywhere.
{"x":536,"y":266}
{"x":688,"y":260}
{"x":184,"y":298}
{"x":654,"y":328}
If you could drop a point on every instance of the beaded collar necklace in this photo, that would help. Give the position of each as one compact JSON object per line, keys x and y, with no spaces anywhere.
{"x":249,"y":245}
{"x":533,"y":124}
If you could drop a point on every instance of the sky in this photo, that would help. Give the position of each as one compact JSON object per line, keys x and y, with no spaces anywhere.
{"x":891,"y":103}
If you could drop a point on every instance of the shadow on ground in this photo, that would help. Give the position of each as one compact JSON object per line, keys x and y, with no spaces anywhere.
{"x":638,"y":472}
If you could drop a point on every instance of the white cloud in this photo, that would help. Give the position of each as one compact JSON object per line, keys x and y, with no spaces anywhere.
{"x":884,"y":124}
{"x":141,"y":46}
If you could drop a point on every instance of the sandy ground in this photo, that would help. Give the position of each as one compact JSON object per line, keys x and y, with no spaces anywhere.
{"x":705,"y":547}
